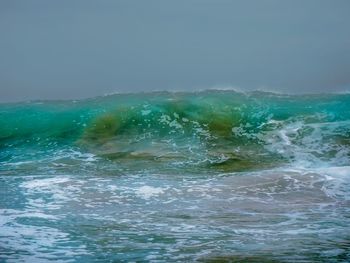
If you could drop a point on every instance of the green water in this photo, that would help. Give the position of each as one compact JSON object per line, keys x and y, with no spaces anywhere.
{"x":210,"y":130}
{"x":212,"y":176}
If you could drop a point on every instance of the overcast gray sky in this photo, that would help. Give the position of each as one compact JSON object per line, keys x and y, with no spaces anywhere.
{"x":81,"y":48}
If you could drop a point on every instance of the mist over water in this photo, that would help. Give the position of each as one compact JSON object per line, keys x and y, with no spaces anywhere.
{"x":175,"y":131}
{"x":79,"y":49}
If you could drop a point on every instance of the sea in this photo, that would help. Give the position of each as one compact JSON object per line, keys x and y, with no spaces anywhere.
{"x":207,"y":176}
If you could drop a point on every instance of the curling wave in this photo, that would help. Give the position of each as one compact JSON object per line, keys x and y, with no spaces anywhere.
{"x":216,"y":130}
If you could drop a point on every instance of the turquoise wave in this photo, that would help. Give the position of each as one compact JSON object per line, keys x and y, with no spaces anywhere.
{"x":215,"y":130}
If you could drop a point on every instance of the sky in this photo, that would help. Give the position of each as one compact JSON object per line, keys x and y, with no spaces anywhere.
{"x":71,"y":49}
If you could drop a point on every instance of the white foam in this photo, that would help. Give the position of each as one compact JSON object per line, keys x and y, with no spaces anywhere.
{"x":342,"y":171}
{"x":44,"y":183}
{"x":145,"y":112}
{"x":146,"y":192}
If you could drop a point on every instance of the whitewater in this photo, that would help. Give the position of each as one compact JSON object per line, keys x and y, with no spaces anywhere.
{"x":209,"y":176}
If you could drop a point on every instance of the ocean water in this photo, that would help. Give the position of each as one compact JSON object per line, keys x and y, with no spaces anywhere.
{"x":211,"y":176}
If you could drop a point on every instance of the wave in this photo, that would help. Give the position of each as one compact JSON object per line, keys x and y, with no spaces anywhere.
{"x":214,"y":129}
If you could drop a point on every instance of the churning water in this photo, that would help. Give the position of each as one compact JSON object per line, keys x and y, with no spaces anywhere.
{"x":214,"y":176}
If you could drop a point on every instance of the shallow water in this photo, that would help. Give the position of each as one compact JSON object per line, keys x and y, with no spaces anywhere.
{"x":208,"y":177}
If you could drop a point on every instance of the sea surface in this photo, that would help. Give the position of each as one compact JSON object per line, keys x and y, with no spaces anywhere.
{"x":210,"y":176}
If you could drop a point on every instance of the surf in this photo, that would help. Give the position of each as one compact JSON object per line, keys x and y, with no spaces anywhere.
{"x":213,"y":130}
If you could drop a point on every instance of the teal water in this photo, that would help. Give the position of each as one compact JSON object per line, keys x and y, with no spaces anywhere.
{"x":212,"y":176}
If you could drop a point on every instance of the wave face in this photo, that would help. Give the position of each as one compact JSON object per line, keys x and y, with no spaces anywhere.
{"x":176,"y":177}
{"x":215,"y":130}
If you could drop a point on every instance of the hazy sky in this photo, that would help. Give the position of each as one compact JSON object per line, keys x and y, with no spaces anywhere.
{"x":80,"y":48}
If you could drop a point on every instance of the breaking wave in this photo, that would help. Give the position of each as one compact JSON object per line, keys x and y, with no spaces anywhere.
{"x":216,"y":130}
